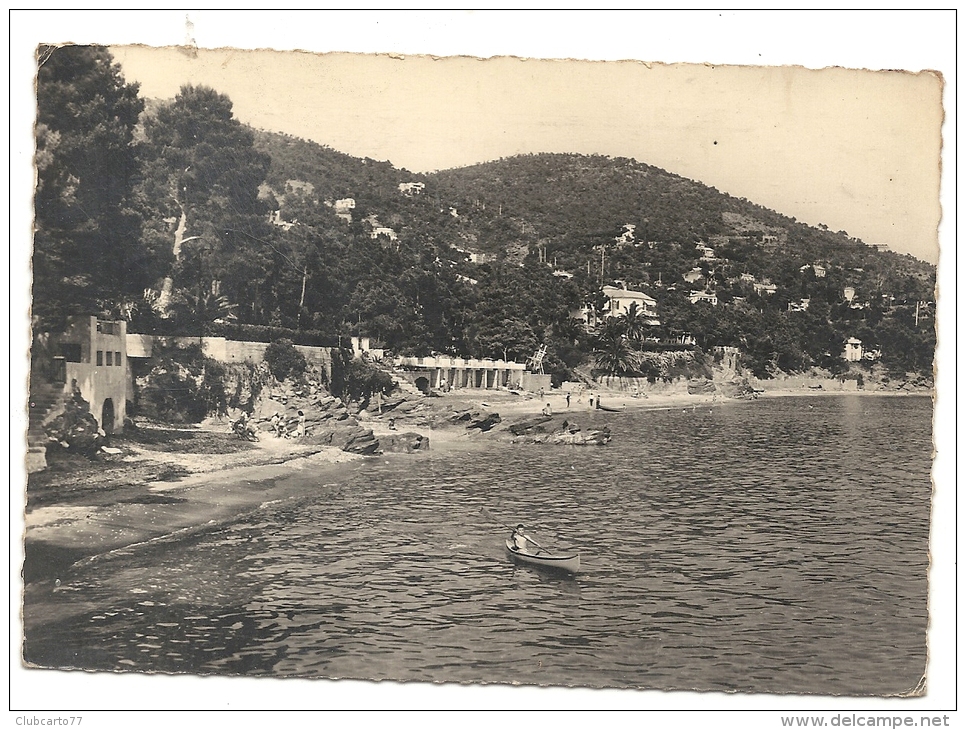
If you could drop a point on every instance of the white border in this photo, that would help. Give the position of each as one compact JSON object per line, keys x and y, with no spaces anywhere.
{"x":861,"y":39}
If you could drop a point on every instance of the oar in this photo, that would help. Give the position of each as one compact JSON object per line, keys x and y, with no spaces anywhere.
{"x":486,"y":513}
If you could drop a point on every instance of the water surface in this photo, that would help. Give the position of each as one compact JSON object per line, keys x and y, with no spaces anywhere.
{"x":779,"y":545}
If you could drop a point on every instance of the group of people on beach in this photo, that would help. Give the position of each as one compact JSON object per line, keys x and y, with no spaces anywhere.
{"x":284,"y":429}
{"x":281,"y":427}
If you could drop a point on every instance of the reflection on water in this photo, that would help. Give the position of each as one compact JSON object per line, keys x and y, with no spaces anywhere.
{"x":778,"y":545}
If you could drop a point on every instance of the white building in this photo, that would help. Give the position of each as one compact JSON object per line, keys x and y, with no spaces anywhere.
{"x":619,"y":301}
{"x":383,"y":231}
{"x":409,"y":189}
{"x":764,"y":287}
{"x":694,"y":275}
{"x":853,"y":350}
{"x":703,"y":296}
{"x":627,"y":235}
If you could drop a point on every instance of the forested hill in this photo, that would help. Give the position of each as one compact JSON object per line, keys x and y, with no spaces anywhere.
{"x":603,"y":220}
{"x":333,"y":175}
{"x":200,"y":223}
{"x":571,"y":204}
{"x":571,"y":200}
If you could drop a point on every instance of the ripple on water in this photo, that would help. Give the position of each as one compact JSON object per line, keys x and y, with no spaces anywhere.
{"x":760,"y":547}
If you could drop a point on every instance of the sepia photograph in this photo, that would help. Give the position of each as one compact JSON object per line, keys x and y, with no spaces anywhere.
{"x":453,"y":369}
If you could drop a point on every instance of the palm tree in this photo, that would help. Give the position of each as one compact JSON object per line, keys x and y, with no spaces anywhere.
{"x":613,"y":353}
{"x":634,"y":324}
{"x":192,"y":309}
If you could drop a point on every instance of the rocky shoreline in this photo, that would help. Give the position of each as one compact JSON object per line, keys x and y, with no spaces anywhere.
{"x":164,"y":482}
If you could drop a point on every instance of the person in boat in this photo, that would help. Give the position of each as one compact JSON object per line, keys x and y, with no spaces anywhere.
{"x":520,"y":539}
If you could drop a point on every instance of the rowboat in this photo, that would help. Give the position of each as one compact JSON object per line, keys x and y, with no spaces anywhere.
{"x":568,"y":563}
{"x":611,"y":409}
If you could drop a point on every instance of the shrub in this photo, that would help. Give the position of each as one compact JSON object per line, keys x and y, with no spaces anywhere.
{"x":358,"y":380}
{"x":284,"y":361}
{"x":182,"y":386}
{"x":172,"y":397}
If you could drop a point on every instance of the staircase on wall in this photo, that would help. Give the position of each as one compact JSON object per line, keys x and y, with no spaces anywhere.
{"x":46,"y":403}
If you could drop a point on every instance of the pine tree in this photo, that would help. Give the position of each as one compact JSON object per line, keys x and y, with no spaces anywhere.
{"x":88,"y":256}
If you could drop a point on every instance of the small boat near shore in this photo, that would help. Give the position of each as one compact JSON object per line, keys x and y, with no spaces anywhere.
{"x":566,"y":563}
{"x":611,"y":409}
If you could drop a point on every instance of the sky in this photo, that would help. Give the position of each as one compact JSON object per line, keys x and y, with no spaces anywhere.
{"x":818,"y":149}
{"x":854,"y":150}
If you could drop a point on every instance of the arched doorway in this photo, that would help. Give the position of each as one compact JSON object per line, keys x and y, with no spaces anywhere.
{"x":107,"y":416}
{"x":423,"y":384}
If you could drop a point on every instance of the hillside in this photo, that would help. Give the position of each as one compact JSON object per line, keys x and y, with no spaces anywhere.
{"x":786,"y":293}
{"x":204,"y":223}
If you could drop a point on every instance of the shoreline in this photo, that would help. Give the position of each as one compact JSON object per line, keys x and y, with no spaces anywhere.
{"x":78,"y":530}
{"x":81,"y":529}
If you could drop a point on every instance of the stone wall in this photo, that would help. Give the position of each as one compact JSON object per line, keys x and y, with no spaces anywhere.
{"x":535,"y":382}
{"x":234,"y":351}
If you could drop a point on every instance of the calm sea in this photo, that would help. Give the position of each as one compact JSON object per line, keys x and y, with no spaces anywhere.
{"x":779,"y":545}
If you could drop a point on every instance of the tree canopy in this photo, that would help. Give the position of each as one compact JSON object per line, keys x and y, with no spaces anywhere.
{"x":228,"y":225}
{"x":87,"y":252}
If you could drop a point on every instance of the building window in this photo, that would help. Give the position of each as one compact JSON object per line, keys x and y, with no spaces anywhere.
{"x":110,"y":358}
{"x":100,"y":357}
{"x":107,"y":328}
{"x":117,"y":359}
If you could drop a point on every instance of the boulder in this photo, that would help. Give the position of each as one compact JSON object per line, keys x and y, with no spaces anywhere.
{"x":485,"y":424}
{"x":389,"y":404}
{"x":599,"y":437}
{"x":76,"y":428}
{"x":403,"y":443}
{"x":528,"y":426}
{"x":346,"y":435}
{"x":700,"y":387}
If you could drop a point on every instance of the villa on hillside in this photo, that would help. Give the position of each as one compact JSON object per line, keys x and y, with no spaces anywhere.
{"x":853,"y":350}
{"x":703,"y":296}
{"x":275,"y":218}
{"x":693,"y":275}
{"x":409,"y":189}
{"x":707,"y":253}
{"x":619,"y":301}
{"x":344,"y":207}
{"x":383,"y":231}
{"x":627,"y":235}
